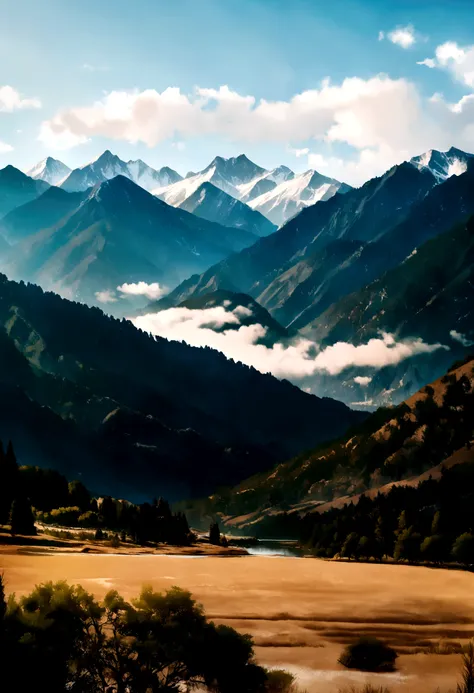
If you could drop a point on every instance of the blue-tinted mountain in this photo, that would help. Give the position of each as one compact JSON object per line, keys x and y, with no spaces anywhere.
{"x":16,"y":188}
{"x":271,"y":270}
{"x":114,"y":233}
{"x":213,"y":204}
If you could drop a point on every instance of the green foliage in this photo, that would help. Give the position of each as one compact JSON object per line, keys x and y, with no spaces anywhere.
{"x":88,"y":519}
{"x":79,"y":495}
{"x":61,"y":638}
{"x":368,"y":654}
{"x":463,"y":549}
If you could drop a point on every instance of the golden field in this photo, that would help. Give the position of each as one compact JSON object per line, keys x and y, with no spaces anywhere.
{"x":300,"y":611}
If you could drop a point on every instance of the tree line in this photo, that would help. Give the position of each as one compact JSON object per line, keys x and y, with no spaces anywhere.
{"x":31,"y":493}
{"x":432,"y":522}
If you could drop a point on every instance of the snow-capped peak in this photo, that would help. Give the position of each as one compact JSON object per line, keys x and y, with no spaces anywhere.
{"x":442,"y":165}
{"x":288,"y":198}
{"x":50,"y":170}
{"x":109,"y":165}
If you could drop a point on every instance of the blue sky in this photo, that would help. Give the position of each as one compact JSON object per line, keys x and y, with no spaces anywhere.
{"x":69,"y":55}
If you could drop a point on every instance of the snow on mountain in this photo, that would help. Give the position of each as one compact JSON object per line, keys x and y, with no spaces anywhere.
{"x":50,"y":170}
{"x":108,"y":166}
{"x":177,"y":193}
{"x":289,"y":197}
{"x":264,"y":183}
{"x":237,"y":176}
{"x":443,"y":165}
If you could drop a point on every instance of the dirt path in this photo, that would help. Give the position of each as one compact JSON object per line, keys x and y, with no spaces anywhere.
{"x":300,"y":612}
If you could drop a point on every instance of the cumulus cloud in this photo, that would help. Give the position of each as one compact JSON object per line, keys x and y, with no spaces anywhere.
{"x":106,"y":296}
{"x":383,"y":120}
{"x":458,"y":60}
{"x":363,"y":380}
{"x":296,"y":360}
{"x":403,"y":36}
{"x":4,"y":148}
{"x":11,"y":100}
{"x":462,"y":339}
{"x":151,"y":291}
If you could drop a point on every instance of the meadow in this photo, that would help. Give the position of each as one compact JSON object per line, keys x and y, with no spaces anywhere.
{"x":300,"y":611}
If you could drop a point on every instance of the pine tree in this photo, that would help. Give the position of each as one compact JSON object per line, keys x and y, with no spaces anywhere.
{"x":9,"y":478}
{"x":21,"y":517}
{"x":214,"y":534}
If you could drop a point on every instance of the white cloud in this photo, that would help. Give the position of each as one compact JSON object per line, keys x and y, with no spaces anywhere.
{"x":299,"y":359}
{"x":458,"y":60}
{"x":462,"y":339}
{"x":381,"y":35}
{"x":383,"y":120}
{"x":428,"y":62}
{"x":151,"y":291}
{"x":180,"y":146}
{"x":403,"y":36}
{"x":11,"y":100}
{"x":4,"y":148}
{"x":106,"y":296}
{"x":363,"y":380}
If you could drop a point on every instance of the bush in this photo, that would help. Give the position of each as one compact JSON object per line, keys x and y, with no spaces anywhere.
{"x":369,"y":654}
{"x":115,"y":541}
{"x":88,"y":519}
{"x":279,"y":681}
{"x":66,"y":517}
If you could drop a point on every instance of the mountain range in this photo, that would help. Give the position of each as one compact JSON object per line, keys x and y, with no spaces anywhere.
{"x":83,"y":244}
{"x":320,"y":276}
{"x":306,"y":273}
{"x":277,"y":194}
{"x":108,"y":165}
{"x":93,"y":396}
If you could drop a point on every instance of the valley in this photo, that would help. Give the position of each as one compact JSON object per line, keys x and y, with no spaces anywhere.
{"x":300,"y":611}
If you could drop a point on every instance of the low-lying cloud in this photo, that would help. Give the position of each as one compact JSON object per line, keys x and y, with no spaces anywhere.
{"x":462,"y":339}
{"x":152,"y":291}
{"x":295,"y":360}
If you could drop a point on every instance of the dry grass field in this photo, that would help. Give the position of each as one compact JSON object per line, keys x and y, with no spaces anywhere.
{"x":301,"y":612}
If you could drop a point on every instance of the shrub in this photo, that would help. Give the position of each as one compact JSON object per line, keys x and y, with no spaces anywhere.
{"x":115,"y":541}
{"x":66,"y":517}
{"x":279,"y":681}
{"x":88,"y":519}
{"x":368,"y":654}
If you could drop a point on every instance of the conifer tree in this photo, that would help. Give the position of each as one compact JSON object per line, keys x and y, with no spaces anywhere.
{"x":21,"y":517}
{"x":214,"y":534}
